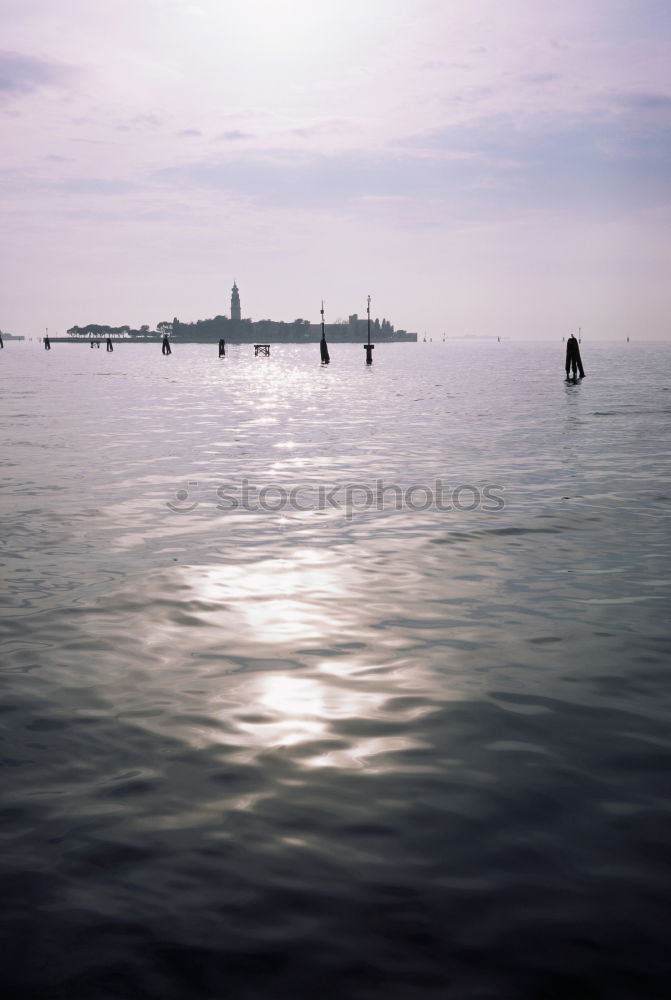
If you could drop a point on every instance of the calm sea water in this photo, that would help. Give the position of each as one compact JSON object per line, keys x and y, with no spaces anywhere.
{"x":348,"y":751}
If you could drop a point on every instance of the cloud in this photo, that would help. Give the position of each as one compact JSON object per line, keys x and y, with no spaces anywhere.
{"x":21,"y":74}
{"x":190,"y":132}
{"x":540,"y":77}
{"x":603,"y":133}
{"x":94,"y":186}
{"x":640,"y":101}
{"x":140,"y":123}
{"x":599,"y":163}
{"x":234,"y":135}
{"x":334,"y":126}
{"x":343,"y":184}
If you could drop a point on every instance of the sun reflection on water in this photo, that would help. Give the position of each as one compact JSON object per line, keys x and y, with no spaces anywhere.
{"x":298,"y":689}
{"x":298,"y":709}
{"x":278,"y":600}
{"x":303,"y":712}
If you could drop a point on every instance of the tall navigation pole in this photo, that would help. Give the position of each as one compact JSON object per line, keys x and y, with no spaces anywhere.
{"x":368,"y":348}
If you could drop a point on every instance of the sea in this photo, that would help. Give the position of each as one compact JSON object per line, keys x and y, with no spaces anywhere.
{"x":348,"y":682}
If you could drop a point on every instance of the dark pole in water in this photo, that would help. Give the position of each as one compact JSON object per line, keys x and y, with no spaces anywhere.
{"x":47,"y":342}
{"x":165,"y":349}
{"x":222,"y":348}
{"x":573,"y":359}
{"x":323,"y":346}
{"x":369,"y":347}
{"x":2,"y":345}
{"x":110,"y":346}
{"x":578,"y":359}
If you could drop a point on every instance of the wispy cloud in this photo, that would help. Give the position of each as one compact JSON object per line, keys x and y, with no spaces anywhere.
{"x":234,"y":135}
{"x":642,"y":101}
{"x":21,"y":74}
{"x":140,"y":123}
{"x":538,"y":78}
{"x":334,"y":126}
{"x":94,"y":186}
{"x":599,"y":163}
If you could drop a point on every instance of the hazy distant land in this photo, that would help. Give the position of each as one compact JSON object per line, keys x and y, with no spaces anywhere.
{"x":245,"y":331}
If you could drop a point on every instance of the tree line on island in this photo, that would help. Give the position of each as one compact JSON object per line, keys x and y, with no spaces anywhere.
{"x":101,"y":331}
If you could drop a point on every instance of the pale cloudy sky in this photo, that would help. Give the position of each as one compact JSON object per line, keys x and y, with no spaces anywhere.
{"x":479,"y":167}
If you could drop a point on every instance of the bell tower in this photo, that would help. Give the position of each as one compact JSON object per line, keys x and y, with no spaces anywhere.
{"x":235,"y":303}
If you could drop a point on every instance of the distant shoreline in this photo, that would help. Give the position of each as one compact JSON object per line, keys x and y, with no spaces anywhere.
{"x":158,"y":339}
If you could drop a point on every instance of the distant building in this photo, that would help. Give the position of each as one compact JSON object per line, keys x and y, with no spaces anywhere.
{"x":235,"y":303}
{"x":236,"y":330}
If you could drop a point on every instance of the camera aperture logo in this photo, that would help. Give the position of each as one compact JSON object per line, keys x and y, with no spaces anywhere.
{"x":349,"y":498}
{"x":183,"y":502}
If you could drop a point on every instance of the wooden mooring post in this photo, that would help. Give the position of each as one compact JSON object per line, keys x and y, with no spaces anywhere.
{"x":323,"y":346}
{"x":369,"y":348}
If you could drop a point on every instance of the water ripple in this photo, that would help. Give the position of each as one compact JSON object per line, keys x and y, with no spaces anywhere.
{"x":381,"y":753}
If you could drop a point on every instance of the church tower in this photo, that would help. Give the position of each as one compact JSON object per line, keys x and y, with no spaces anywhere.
{"x":235,"y":303}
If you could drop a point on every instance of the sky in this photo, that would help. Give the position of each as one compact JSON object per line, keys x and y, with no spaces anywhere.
{"x":478,"y":167}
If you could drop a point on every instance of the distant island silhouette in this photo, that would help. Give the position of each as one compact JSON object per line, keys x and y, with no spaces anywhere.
{"x":236,"y":330}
